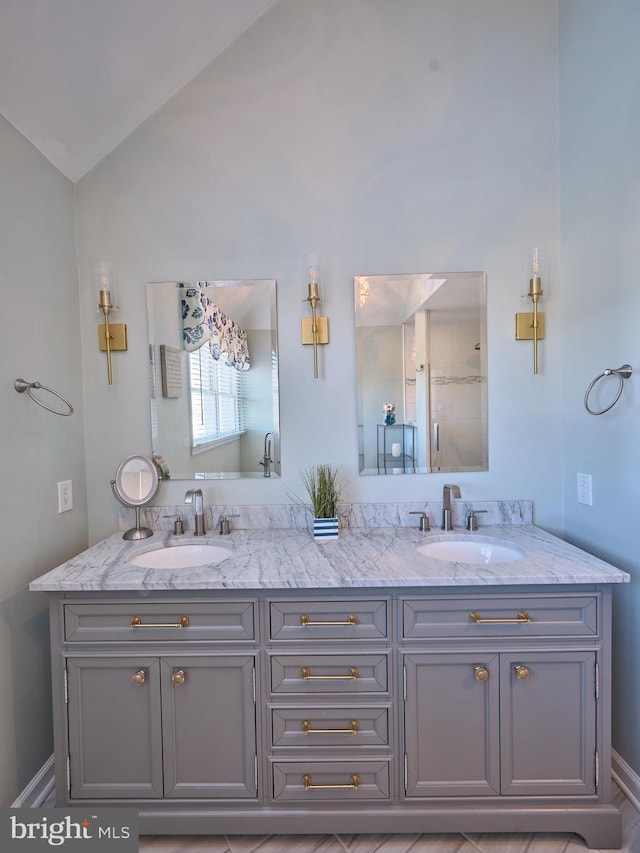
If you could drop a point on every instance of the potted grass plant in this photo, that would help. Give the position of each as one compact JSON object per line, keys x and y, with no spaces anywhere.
{"x":324,"y":492}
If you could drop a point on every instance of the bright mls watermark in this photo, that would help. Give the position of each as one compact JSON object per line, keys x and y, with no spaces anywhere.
{"x":79,"y":830}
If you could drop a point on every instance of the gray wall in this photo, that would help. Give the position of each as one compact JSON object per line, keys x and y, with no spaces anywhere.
{"x":385,"y":136}
{"x":40,"y":341}
{"x":599,"y":130}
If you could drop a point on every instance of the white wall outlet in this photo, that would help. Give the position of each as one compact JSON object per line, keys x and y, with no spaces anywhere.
{"x":585,"y":494}
{"x":65,"y":496}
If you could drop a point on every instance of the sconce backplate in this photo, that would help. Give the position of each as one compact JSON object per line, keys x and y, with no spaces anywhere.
{"x":323,"y":330}
{"x":118,"y":334}
{"x":524,"y":326}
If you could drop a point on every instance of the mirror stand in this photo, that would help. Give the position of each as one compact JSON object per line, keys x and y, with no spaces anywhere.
{"x":135,"y":485}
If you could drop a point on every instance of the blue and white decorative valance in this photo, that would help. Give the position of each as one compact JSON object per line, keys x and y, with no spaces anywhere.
{"x":203,"y":322}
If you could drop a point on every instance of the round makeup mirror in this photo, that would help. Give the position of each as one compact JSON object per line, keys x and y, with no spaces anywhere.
{"x":135,"y":485}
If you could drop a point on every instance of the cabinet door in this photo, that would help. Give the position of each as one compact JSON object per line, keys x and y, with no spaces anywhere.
{"x":548,"y":714}
{"x":451,"y":725}
{"x":209,"y":723}
{"x":115,"y":741}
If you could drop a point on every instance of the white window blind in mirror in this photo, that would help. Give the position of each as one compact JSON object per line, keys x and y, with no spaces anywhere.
{"x":218,"y":401}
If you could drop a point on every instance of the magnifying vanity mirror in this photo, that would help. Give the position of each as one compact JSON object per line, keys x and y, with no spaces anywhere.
{"x":213,"y":376}
{"x":421,"y":360}
{"x":135,"y":485}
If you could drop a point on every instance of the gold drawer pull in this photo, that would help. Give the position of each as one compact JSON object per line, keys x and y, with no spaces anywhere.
{"x":522,"y":672}
{"x":353,"y":729}
{"x":305,"y":673}
{"x":177,"y":677}
{"x":482,"y":673}
{"x":352,"y":786}
{"x":307,"y":623}
{"x":139,"y":677}
{"x":137,"y":622}
{"x":522,"y":616}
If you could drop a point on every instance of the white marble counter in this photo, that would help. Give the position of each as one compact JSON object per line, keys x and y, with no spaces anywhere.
{"x":361,"y":557}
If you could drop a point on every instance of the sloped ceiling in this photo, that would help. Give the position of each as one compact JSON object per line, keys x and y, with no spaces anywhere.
{"x":78,"y":76}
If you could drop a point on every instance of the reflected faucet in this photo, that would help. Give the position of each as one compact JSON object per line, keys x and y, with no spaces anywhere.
{"x":448,"y":491}
{"x":194,"y":496}
{"x":266,"y":459}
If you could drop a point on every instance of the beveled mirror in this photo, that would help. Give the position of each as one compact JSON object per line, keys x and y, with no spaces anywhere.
{"x":136,"y":483}
{"x":213,"y":378}
{"x":421,"y":361}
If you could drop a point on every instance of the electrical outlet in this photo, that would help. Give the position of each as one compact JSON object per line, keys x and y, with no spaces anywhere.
{"x":585,"y":494}
{"x":65,"y":496}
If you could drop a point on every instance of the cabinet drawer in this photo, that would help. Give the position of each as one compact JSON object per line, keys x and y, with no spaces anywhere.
{"x":316,"y":674}
{"x":346,"y":619}
{"x":348,"y":726}
{"x":338,"y":781}
{"x":515,"y":616}
{"x":183,"y":620}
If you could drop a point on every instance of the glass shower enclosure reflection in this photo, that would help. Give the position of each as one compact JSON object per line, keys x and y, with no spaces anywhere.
{"x":421,"y":345}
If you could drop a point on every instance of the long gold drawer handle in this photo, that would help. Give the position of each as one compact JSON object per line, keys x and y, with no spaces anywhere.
{"x":137,"y":622}
{"x":307,"y":623}
{"x":354,"y":727}
{"x":352,"y":786}
{"x":305,"y":673}
{"x":522,"y":616}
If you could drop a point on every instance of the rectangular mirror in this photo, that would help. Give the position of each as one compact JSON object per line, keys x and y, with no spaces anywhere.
{"x":213,"y":378}
{"x":421,"y":361}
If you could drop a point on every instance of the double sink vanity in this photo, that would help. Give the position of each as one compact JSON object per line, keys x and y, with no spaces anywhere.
{"x":390,"y":681}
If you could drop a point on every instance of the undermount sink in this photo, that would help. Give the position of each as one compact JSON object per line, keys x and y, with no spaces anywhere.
{"x":185,"y":556}
{"x":476,"y":550}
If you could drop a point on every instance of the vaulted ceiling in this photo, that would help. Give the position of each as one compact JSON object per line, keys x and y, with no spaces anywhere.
{"x":78,"y":76}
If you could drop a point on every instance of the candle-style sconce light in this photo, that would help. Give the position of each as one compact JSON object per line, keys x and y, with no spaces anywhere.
{"x":530,"y":325}
{"x":112,"y":337}
{"x":315,"y":330}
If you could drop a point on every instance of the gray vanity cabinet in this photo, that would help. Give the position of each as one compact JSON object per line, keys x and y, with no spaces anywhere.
{"x":501,"y":694}
{"x":173,"y":718}
{"x":181,"y":726}
{"x":548,"y":721}
{"x":511,"y":724}
{"x":452,"y":726}
{"x":115,"y":727}
{"x":395,"y":709}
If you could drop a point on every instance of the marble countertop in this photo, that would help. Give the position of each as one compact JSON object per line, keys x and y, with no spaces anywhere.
{"x":365,"y":557}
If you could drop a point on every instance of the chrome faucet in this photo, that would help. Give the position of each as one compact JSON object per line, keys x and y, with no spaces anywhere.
{"x":194,"y":496}
{"x":448,"y":491}
{"x":266,"y":459}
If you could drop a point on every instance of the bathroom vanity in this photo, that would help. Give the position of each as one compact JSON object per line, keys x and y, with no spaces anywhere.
{"x":354,"y":686}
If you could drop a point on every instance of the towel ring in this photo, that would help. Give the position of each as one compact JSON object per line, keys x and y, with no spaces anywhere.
{"x":622,"y":373}
{"x":21,"y":386}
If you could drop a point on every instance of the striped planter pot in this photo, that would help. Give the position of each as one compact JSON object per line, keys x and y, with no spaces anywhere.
{"x":325,"y":528}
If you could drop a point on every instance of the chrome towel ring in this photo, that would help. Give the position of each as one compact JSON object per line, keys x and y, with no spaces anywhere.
{"x":21,"y":386}
{"x":622,"y":373}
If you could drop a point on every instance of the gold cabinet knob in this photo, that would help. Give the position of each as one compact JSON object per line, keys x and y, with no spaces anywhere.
{"x":522,"y":672}
{"x":482,"y":673}
{"x":177,"y":677}
{"x":139,"y":677}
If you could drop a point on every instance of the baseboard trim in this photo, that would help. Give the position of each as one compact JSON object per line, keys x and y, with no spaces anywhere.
{"x":38,"y":789}
{"x":626,"y":777}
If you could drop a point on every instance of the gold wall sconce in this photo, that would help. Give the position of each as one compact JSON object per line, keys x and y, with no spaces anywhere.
{"x":315,"y":330}
{"x":530,"y":325}
{"x":112,"y":337}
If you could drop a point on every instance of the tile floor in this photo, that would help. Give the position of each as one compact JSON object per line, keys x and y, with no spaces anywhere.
{"x":462,"y":843}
